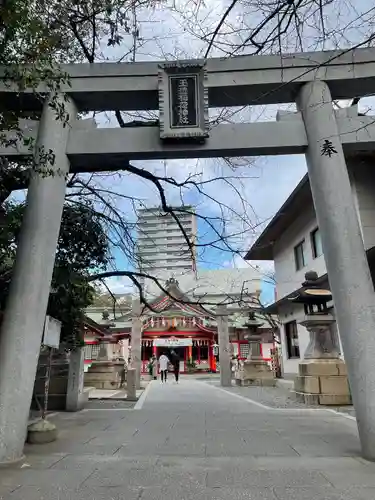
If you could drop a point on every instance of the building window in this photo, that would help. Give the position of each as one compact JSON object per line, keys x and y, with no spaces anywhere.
{"x":316,"y":243}
{"x":291,"y":338}
{"x":299,"y":255}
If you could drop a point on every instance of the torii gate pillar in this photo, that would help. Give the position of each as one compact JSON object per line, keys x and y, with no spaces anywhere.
{"x":136,"y":340}
{"x":348,"y":270}
{"x":224,"y":346}
{"x":22,"y":328}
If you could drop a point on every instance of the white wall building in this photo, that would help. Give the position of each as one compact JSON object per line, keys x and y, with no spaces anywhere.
{"x":162,"y":246}
{"x":292,"y":241}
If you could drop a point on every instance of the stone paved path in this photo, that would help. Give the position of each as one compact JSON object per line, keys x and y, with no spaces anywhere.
{"x":195,"y":441}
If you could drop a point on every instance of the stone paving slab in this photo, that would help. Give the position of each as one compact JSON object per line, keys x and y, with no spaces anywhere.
{"x":45,"y":461}
{"x":172,"y":493}
{"x":104,"y":462}
{"x":84,"y":493}
{"x":5,"y":491}
{"x":357,"y":493}
{"x":249,"y":478}
{"x":190,"y":441}
{"x":28,"y":477}
{"x":147,"y":478}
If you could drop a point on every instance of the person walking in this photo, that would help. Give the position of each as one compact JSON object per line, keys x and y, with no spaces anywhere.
{"x":163,"y":365}
{"x":153,"y":367}
{"x":176,"y":365}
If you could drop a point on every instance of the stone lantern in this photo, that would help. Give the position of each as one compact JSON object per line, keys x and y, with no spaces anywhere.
{"x":108,"y":371}
{"x":253,"y":337}
{"x":322,"y":376}
{"x":254,"y":370}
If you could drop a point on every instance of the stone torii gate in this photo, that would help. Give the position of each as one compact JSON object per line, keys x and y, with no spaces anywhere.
{"x":183,"y":92}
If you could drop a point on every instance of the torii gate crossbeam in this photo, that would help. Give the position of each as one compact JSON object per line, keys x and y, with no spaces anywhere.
{"x":89,"y":148}
{"x":244,"y":80}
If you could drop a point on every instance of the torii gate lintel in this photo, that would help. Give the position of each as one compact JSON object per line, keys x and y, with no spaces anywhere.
{"x":238,"y":81}
{"x":89,"y":148}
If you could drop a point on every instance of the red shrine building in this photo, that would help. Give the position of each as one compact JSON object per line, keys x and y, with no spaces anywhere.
{"x":172,"y":321}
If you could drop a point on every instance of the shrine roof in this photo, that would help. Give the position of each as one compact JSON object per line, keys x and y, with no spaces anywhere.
{"x":173,"y":311}
{"x":174,"y":300}
{"x":92,"y":325}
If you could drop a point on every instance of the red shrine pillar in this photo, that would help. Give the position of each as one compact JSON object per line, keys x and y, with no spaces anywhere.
{"x":212,"y":358}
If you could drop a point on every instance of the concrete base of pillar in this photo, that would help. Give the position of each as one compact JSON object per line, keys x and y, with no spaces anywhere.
{"x":322,"y":382}
{"x":255,"y":372}
{"x":105,"y":375}
{"x":42,"y":432}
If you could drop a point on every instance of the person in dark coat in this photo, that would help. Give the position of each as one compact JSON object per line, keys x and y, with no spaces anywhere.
{"x":176,"y":365}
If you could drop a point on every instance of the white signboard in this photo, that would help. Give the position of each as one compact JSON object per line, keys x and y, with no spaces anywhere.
{"x":51,"y":335}
{"x":173,"y":342}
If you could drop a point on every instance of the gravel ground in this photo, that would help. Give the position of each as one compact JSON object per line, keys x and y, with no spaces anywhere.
{"x":108,"y":404}
{"x":276,"y":397}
